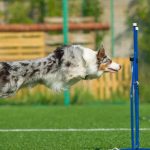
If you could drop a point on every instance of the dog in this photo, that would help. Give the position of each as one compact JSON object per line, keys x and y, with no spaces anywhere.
{"x":59,"y":70}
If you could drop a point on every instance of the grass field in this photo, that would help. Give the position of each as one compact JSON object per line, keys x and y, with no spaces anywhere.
{"x":78,"y":117}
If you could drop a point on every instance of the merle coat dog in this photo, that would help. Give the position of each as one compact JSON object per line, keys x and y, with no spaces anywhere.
{"x":59,"y":70}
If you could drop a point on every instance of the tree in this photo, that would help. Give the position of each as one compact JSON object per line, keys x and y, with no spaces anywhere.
{"x":31,"y":11}
{"x":17,"y":12}
{"x":140,"y":13}
{"x":93,"y":8}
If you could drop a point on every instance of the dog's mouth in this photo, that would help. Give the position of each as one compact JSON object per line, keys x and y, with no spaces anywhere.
{"x":112,"y":70}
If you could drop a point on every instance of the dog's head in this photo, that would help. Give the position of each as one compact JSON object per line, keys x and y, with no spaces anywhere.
{"x":77,"y":62}
{"x":105,"y":63}
{"x":98,"y":63}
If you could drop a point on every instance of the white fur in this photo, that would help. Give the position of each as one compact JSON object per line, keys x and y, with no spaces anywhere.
{"x":113,"y":67}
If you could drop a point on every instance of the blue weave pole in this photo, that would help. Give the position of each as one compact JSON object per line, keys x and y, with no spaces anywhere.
{"x":132,"y":104}
{"x":136,"y":87}
{"x":134,"y":96}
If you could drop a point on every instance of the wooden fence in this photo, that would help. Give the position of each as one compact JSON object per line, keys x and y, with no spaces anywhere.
{"x":29,"y":45}
{"x":21,"y":45}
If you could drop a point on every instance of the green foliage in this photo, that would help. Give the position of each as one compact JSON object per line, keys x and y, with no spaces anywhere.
{"x":37,"y":10}
{"x":144,"y":77}
{"x":18,"y":13}
{"x":54,"y":8}
{"x":35,"y":99}
{"x":119,"y":97}
{"x":92,"y":8}
{"x":140,"y":13}
{"x":31,"y":11}
{"x":83,"y":97}
{"x":78,"y":97}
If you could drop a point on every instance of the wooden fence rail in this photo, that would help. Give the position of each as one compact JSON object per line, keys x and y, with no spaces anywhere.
{"x":21,"y":45}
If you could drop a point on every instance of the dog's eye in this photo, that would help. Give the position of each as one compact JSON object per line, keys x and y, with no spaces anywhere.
{"x":105,"y":60}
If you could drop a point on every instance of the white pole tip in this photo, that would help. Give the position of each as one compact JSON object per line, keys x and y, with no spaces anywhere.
{"x":136,"y":28}
{"x":134,"y":24}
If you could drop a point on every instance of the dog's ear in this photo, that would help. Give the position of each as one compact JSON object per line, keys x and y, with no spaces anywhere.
{"x":101,"y":53}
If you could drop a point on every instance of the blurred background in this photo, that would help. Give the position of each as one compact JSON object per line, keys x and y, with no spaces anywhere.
{"x":34,"y":28}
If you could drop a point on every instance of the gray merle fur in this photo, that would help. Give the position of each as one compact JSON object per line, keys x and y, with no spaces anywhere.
{"x":14,"y":75}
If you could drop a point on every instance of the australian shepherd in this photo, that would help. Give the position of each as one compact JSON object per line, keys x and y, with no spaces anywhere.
{"x":59,"y":70}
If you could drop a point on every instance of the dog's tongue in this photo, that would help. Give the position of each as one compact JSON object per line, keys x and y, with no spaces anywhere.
{"x":112,"y":70}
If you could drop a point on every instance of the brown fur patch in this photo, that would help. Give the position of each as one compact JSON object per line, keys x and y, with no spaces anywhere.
{"x":101,"y":53}
{"x":103,"y":66}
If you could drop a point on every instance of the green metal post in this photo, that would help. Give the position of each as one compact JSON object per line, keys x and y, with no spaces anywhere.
{"x":83,"y":7}
{"x":112,"y":27}
{"x":65,"y":33}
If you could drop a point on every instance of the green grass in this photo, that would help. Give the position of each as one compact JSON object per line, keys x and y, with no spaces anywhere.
{"x":90,"y":116}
